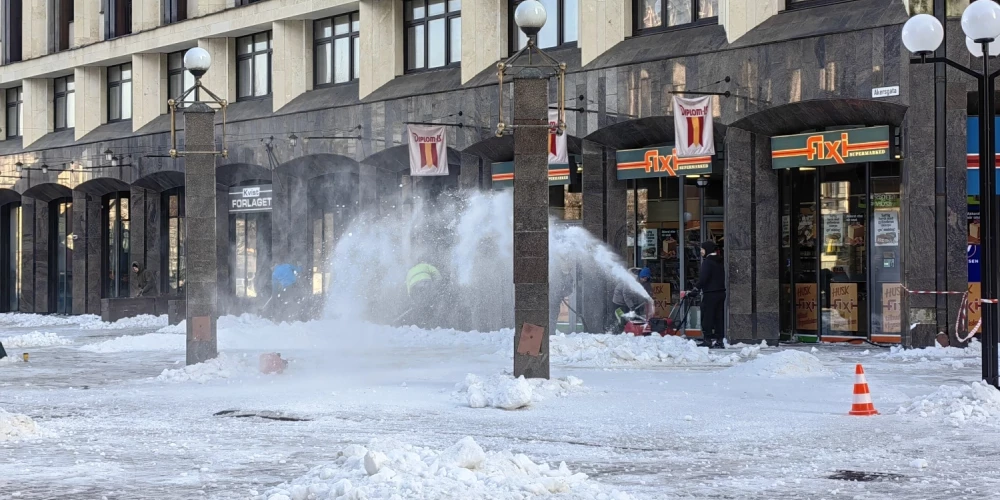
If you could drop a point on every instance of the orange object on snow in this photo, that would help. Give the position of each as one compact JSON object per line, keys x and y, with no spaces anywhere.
{"x":863,"y":406}
{"x":272,"y":363}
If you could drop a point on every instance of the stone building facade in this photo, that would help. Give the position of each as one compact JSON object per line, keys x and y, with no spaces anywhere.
{"x":789,"y":67}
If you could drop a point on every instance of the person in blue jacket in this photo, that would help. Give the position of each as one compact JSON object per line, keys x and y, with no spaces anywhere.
{"x":283,"y":285}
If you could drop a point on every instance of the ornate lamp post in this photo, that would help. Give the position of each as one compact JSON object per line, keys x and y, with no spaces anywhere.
{"x":531,"y":130}
{"x":922,"y":35}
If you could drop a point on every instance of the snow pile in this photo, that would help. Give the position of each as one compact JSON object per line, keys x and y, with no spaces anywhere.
{"x":21,"y":320}
{"x":509,"y":393}
{"x":628,"y":350}
{"x":392,"y":470}
{"x":35,"y":339}
{"x":784,"y":364}
{"x":137,"y":322}
{"x":14,"y":426}
{"x":130,"y":343}
{"x":221,"y":367}
{"x":977,"y":402}
{"x":898,"y":353}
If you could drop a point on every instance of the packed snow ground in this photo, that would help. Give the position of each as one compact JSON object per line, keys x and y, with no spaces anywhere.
{"x":111,"y":411}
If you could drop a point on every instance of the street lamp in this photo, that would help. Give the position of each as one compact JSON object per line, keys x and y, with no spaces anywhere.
{"x":922,"y":35}
{"x":197,"y":61}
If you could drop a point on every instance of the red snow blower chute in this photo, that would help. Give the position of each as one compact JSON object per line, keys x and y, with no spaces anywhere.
{"x":673,"y":324}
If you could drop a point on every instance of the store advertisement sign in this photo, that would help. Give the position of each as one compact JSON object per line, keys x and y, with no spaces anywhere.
{"x":833,"y":230}
{"x":975,"y":308}
{"x":650,"y":244}
{"x":881,"y":92}
{"x":659,"y":162}
{"x":248,"y":199}
{"x":786,"y":230}
{"x":892,"y":308}
{"x":558,"y":153}
{"x":885,"y":200}
{"x":693,"y":126}
{"x":668,"y":250}
{"x":855,"y":230}
{"x":838,"y":147}
{"x":503,"y":174}
{"x":805,"y":306}
{"x":661,"y":298}
{"x":844,"y":307}
{"x":428,"y":146}
{"x":887,"y":228}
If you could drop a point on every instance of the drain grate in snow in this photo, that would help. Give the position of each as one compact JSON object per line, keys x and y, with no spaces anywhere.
{"x":266,"y":415}
{"x":864,"y":477}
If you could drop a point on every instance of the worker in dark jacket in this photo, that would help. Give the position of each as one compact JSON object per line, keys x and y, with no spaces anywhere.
{"x":712,"y":283}
{"x":144,"y":280}
{"x":628,"y":300}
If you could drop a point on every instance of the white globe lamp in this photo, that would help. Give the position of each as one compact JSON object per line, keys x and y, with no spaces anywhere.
{"x":923,"y":34}
{"x":977,"y":49}
{"x":197,"y":60}
{"x":530,"y":17}
{"x":981,"y":21}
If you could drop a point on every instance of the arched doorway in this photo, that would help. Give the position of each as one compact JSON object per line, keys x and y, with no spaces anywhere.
{"x":53,"y":240}
{"x":11,"y":237}
{"x":245,"y":275}
{"x":157,"y":229}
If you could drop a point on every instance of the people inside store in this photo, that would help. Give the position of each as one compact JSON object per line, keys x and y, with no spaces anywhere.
{"x":712,"y":284}
{"x":144,"y":279}
{"x":630,"y":302}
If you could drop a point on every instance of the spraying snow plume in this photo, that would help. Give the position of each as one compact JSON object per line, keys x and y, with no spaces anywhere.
{"x":469,"y":237}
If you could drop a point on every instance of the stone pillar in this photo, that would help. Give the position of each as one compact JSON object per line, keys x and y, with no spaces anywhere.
{"x":604,"y":216}
{"x":281,"y":219}
{"x":80,"y":229}
{"x":137,"y":226}
{"x":468,"y":178}
{"x":222,"y":80}
{"x":91,"y":99}
{"x":38,"y":116}
{"x":93,"y":241}
{"x":531,"y":223}
{"x":205,"y":7}
{"x":485,"y":35}
{"x":222,"y":249}
{"x":367,"y":190}
{"x":299,"y":242}
{"x":292,"y":74}
{"x":42,"y":255}
{"x":153,"y":213}
{"x":201,"y":280}
{"x":381,"y":42}
{"x":34,"y":28}
{"x":597,"y":37}
{"x":86,"y":22}
{"x":741,"y":16}
{"x":149,"y":88}
{"x":27,"y":302}
{"x":147,"y":14}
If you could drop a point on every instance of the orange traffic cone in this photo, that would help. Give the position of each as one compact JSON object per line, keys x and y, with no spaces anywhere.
{"x":863,"y":406}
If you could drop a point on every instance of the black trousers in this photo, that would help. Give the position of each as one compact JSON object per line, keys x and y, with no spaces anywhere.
{"x":713,"y":316}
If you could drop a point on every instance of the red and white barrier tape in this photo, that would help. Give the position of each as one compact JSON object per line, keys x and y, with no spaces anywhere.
{"x":962,"y":310}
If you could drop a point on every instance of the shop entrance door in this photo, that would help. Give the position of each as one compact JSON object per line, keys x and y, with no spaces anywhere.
{"x":833,"y":287}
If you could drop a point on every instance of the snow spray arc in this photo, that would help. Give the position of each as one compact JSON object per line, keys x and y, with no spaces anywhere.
{"x":469,"y":237}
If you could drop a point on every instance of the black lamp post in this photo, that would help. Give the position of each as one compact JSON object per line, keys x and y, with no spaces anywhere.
{"x":922,"y":35}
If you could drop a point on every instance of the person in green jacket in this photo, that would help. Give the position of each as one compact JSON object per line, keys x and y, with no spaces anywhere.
{"x":423,"y":286}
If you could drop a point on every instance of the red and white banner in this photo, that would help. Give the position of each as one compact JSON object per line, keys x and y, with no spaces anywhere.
{"x":693,"y":127}
{"x":428,"y":150}
{"x":557,"y":142}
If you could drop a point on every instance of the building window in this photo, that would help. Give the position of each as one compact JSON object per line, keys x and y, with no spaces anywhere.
{"x":10,"y":250}
{"x":560,"y":24}
{"x":12,"y":31}
{"x":117,"y":18}
{"x":120,"y":92}
{"x":174,"y":11}
{"x":433,"y":33}
{"x":65,"y":99}
{"x":253,"y":65}
{"x":63,"y":20}
{"x":336,"y":50}
{"x":659,"y":15}
{"x":179,"y":79}
{"x":15,"y":112}
{"x":250,"y":239}
{"x":115,"y":216}
{"x":173,"y":238}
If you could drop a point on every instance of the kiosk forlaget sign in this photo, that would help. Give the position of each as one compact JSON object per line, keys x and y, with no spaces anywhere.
{"x":248,"y":199}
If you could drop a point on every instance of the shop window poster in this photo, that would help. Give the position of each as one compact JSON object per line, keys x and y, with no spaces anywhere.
{"x":661,"y":298}
{"x":833,"y":230}
{"x":844,"y":307}
{"x":670,"y":243}
{"x":892,"y":319}
{"x":805,"y":306}
{"x":806,"y":230}
{"x":650,"y":244}
{"x":855,"y":230}
{"x":786,"y":230}
{"x":887,"y":228}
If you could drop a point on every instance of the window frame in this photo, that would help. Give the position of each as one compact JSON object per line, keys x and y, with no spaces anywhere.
{"x":18,"y":106}
{"x":174,"y":11}
{"x":65,"y":95}
{"x":183,"y":72}
{"x":352,"y":37}
{"x":253,"y":66}
{"x":62,"y":12}
{"x":120,"y":286}
{"x":112,"y":11}
{"x":515,"y":32}
{"x":696,"y":21}
{"x":165,"y":283}
{"x":117,"y":84}
{"x":425,"y":22}
{"x":13,"y":33}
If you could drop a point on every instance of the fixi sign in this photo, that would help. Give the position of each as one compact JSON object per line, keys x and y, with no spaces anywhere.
{"x":246,"y":199}
{"x":659,"y":162}
{"x":856,"y":145}
{"x":503,"y":174}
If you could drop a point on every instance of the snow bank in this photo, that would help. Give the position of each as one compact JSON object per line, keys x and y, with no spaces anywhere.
{"x":784,"y":364}
{"x":509,"y":393}
{"x":391,"y":470}
{"x":977,"y":402}
{"x":898,"y":353}
{"x":35,"y":339}
{"x":147,"y":342}
{"x":224,"y":366}
{"x":631,"y":351}
{"x":21,"y":320}
{"x":138,"y":322}
{"x":14,"y":426}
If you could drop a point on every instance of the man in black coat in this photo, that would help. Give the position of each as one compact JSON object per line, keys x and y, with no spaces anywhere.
{"x":712,"y":283}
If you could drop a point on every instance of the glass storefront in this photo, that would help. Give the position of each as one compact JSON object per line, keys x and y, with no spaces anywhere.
{"x":173,"y":241}
{"x":250,"y":238}
{"x":840,"y":237}
{"x":10,"y":256}
{"x":61,"y":256}
{"x":115,"y":217}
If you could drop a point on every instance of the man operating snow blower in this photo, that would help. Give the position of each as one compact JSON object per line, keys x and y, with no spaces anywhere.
{"x":628,"y":302}
{"x":283,"y":284}
{"x":424,"y":288}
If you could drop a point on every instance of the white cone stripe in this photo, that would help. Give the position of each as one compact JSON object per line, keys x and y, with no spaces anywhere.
{"x":860,"y":379}
{"x":862,"y":399}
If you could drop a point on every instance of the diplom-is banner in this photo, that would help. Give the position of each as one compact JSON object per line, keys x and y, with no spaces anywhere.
{"x":249,"y":199}
{"x":428,"y":150}
{"x":503,"y":174}
{"x":693,"y":127}
{"x":659,"y":162}
{"x":838,"y":147}
{"x":558,"y":154}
